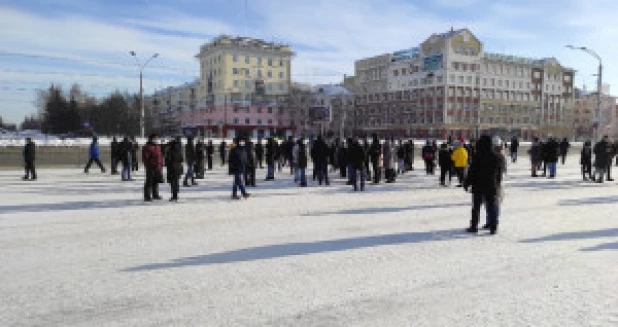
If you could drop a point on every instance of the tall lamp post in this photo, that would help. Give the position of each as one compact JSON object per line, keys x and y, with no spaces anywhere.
{"x":597,"y":113}
{"x":141,"y":89}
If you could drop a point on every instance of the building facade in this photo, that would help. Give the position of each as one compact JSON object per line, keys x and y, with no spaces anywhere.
{"x":244,"y":83}
{"x":371,"y":74}
{"x":584,"y":108}
{"x":172,"y":105}
{"x":448,"y":85}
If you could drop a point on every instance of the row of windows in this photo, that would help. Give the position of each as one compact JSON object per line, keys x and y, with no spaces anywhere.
{"x":249,"y":85}
{"x":260,"y":73}
{"x":258,"y":60}
{"x":236,"y":121}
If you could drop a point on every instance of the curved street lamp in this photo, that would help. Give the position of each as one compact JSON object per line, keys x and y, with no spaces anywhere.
{"x":597,"y":113}
{"x":141,"y":89}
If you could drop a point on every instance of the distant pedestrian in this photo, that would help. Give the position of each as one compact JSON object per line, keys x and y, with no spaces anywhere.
{"x":124,"y":156}
{"x":249,"y":175}
{"x":357,"y":162}
{"x":29,"y":158}
{"x":259,"y":153}
{"x":446,"y":164}
{"x":564,"y":149}
{"x":429,"y":156}
{"x":536,"y":156}
{"x":134,"y":150}
{"x":514,"y":147}
{"x":199,"y":159}
{"x":173,"y":162}
{"x":152,"y":159}
{"x":237,"y":164}
{"x":460,"y":162}
{"x":93,"y":154}
{"x":586,"y":161}
{"x":388,"y":162}
{"x":301,"y":162}
{"x":375,"y":151}
{"x":401,"y":158}
{"x":602,"y":158}
{"x":320,"y":152}
{"x":552,"y":151}
{"x":114,"y":154}
{"x":190,"y":160}
{"x":271,"y":149}
{"x":210,"y":150}
{"x":484,"y":178}
{"x":222,"y":149}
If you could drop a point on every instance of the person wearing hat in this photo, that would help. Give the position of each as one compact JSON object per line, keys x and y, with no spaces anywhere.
{"x":237,"y":164}
{"x":460,"y":162}
{"x":602,"y":158}
{"x":484,"y":179}
{"x":152,"y":158}
{"x":586,"y":161}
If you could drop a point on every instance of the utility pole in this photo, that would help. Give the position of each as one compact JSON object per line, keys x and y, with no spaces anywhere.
{"x":141,"y":67}
{"x":597,"y":113}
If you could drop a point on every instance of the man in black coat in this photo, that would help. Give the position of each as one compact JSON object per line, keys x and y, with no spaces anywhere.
{"x":484,"y":177}
{"x":173,"y":163}
{"x":199,"y":159}
{"x":249,"y":174}
{"x":222,"y":149}
{"x":374,"y":154}
{"x":114,"y":153}
{"x":564,"y":149}
{"x":356,"y":156}
{"x":586,"y":161}
{"x":259,"y":153}
{"x":190,"y":159}
{"x":134,"y":150}
{"x":602,"y":158}
{"x":366,"y":148}
{"x":552,"y":149}
{"x":446,"y":164}
{"x":514,"y":148}
{"x":271,"y":156}
{"x":320,"y":152}
{"x":210,"y":150}
{"x":29,"y":157}
{"x":301,"y":163}
{"x":237,"y":165}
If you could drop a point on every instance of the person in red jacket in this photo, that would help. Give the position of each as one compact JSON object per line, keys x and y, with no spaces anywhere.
{"x":153,"y":162}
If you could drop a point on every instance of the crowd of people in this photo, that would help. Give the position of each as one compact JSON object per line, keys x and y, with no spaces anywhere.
{"x":479,"y":166}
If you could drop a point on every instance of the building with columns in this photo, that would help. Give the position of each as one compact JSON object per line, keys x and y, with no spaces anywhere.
{"x":449,"y":85}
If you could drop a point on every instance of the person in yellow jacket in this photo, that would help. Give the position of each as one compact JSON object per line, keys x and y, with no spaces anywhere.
{"x":460,"y":162}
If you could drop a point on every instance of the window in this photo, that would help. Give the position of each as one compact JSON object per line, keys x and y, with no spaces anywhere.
{"x":461,"y":79}
{"x":469,"y":80}
{"x":507,"y":82}
{"x":247,"y":59}
{"x":455,"y":65}
{"x":236,"y":121}
{"x":270,"y":74}
{"x":259,"y":61}
{"x":247,"y":84}
{"x":281,"y":74}
{"x":270,"y":62}
{"x":404,"y":71}
{"x":235,"y":71}
{"x":281,"y":87}
{"x":259,"y":73}
{"x":247,"y":72}
{"x":235,"y":58}
{"x":259,"y":122}
{"x":247,"y":121}
{"x":499,"y":83}
{"x":236,"y":83}
{"x":270,"y":87}
{"x":537,"y":74}
{"x":259,"y":110}
{"x":270,"y":122}
{"x":395,"y":73}
{"x":452,"y":79}
{"x":439,"y":79}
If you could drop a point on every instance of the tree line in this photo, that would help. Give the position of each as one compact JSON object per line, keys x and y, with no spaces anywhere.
{"x":76,"y":113}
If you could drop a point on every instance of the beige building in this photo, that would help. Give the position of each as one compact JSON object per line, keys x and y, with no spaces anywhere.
{"x":449,"y":85}
{"x":243,"y":84}
{"x":584,"y":108}
{"x":371,"y":74}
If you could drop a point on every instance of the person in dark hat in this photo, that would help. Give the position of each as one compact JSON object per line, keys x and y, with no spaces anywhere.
{"x":173,"y":162}
{"x":237,"y":164}
{"x":484,"y":178}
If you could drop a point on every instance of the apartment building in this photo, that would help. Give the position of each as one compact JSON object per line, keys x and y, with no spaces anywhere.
{"x":584,"y":109}
{"x":371,"y":74}
{"x":244,"y":83}
{"x":449,"y":85}
{"x":173,"y":105}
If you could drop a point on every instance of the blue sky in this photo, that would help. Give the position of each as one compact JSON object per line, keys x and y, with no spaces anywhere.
{"x":88,"y":41}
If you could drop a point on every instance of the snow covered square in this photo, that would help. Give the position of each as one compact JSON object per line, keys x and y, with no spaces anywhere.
{"x":85,"y":250}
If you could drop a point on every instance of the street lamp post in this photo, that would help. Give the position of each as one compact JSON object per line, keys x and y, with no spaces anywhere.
{"x":141,"y":90}
{"x":597,"y":113}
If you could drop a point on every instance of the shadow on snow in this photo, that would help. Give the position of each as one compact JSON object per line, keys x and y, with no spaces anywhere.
{"x":603,"y":233}
{"x":299,"y":249}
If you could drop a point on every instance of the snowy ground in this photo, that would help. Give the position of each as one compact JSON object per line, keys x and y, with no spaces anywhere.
{"x":84,"y":250}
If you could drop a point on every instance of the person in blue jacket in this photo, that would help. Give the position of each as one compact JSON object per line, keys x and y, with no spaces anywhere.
{"x":93,"y":155}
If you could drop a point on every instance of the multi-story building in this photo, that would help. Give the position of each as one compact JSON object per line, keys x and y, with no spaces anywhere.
{"x":449,"y":86}
{"x":244,"y":83}
{"x":371,"y":74}
{"x":584,"y":109}
{"x":173,"y":105}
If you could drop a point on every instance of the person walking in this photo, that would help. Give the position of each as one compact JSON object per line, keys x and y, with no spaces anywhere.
{"x":249,"y":174}
{"x":586,"y":161}
{"x":190,"y":160}
{"x":401,"y":158}
{"x":498,"y":148}
{"x":536,"y":156}
{"x":602,"y":154}
{"x":366,"y":149}
{"x":115,"y":155}
{"x":484,"y":178}
{"x":134,"y":150}
{"x":514,"y":147}
{"x":446,"y":164}
{"x":429,"y":156}
{"x":199,"y":159}
{"x":387,"y":162}
{"x":124,"y":156}
{"x":320,"y":152}
{"x":374,"y":155}
{"x":564,"y":149}
{"x":237,"y":164}
{"x":460,"y":162}
{"x":152,"y":159}
{"x":341,"y":159}
{"x":259,"y":153}
{"x":29,"y":154}
{"x":210,"y":150}
{"x":93,"y":154}
{"x":553,"y":149}
{"x":222,"y":149}
{"x":173,"y":162}
{"x":409,"y":160}
{"x":612,"y":153}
